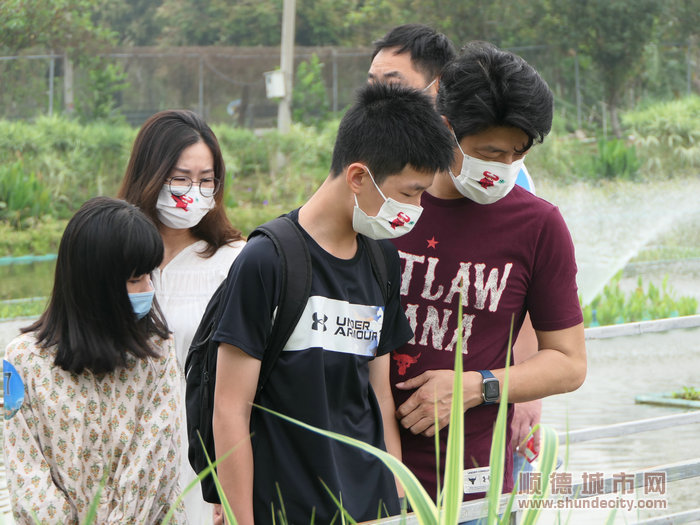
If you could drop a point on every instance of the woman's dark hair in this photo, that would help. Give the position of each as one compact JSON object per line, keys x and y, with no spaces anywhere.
{"x":90,"y":318}
{"x":156,"y":150}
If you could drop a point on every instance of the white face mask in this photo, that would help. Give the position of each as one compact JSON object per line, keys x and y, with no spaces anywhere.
{"x":184,"y":211}
{"x":484,"y":181}
{"x":394,"y":219}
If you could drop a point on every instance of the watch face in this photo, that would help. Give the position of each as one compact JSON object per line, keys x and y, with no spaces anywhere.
{"x":491,"y":390}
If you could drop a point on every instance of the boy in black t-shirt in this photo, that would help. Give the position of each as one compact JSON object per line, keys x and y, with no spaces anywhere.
{"x":334,"y":371}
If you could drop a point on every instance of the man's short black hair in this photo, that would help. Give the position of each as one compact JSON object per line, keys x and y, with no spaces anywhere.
{"x":430,"y":50}
{"x":485,"y":87}
{"x":391,"y":126}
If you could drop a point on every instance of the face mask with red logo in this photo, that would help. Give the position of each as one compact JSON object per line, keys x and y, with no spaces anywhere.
{"x":394,"y":218}
{"x":182,"y":211}
{"x":484,"y":181}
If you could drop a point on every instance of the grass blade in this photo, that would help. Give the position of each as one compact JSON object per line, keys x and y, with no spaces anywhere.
{"x":228,"y":512}
{"x":549,"y":452}
{"x":454,"y":459}
{"x":210,"y":469}
{"x":498,"y":442}
{"x":339,"y":503}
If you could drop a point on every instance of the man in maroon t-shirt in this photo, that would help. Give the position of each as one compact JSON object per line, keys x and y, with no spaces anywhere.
{"x":414,"y":55}
{"x":505,"y":250}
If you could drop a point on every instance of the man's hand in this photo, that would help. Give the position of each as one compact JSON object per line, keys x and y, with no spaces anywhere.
{"x":526,"y":416}
{"x":434,"y":389}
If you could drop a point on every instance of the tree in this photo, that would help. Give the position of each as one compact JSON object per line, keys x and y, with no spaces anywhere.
{"x":60,"y":25}
{"x":683,"y":28}
{"x":309,"y":99}
{"x":133,"y":21}
{"x":613,"y":33}
{"x":220,"y":22}
{"x":66,"y":27}
{"x":251,"y":22}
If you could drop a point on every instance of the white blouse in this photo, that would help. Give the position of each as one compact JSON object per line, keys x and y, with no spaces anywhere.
{"x":183,"y":289}
{"x":185,"y":285}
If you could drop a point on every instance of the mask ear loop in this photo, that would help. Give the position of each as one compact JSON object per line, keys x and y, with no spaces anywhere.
{"x":458,"y":144}
{"x":375,"y":184}
{"x":426,"y":88}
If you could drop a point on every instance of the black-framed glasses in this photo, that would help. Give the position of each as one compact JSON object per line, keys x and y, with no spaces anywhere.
{"x":180,"y":185}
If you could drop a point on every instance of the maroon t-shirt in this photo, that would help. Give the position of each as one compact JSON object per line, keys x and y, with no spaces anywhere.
{"x":507,"y":258}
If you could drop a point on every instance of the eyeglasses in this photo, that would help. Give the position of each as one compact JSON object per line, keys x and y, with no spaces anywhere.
{"x":181,"y":184}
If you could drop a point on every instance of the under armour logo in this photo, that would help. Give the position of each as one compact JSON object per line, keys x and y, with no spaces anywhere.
{"x":319,"y":324}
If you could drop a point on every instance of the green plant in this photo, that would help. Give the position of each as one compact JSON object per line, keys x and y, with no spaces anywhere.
{"x":446,"y":511}
{"x":690,"y":393}
{"x":22,"y":195}
{"x":667,"y":135}
{"x":613,"y":306}
{"x":19,"y":308}
{"x":106,"y":81}
{"x":210,"y":470}
{"x":309,"y":98}
{"x":38,"y":236}
{"x":616,"y":160}
{"x":73,"y":162}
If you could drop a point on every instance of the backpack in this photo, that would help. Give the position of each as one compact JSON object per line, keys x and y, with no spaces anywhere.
{"x":200,"y":365}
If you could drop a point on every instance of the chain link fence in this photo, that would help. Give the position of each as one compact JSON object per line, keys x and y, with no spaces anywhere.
{"x":227,"y":84}
{"x":224,"y":84}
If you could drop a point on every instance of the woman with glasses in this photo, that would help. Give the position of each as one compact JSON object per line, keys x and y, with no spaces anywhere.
{"x":176,"y":176}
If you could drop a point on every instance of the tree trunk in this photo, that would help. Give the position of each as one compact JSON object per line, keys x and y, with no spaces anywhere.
{"x":614,"y":117}
{"x":68,"y":102}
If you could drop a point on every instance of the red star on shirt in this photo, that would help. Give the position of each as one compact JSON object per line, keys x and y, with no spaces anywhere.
{"x":432,"y":243}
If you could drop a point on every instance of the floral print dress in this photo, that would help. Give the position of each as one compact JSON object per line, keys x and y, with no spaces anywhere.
{"x":72,"y":433}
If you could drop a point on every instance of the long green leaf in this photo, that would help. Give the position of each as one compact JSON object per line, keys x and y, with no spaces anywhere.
{"x":498,"y":441}
{"x":549,"y":452}
{"x":454,"y":460}
{"x":339,"y":503}
{"x":505,"y":519}
{"x":436,"y":441}
{"x":421,"y":503}
{"x":228,"y":512}
{"x":203,"y":474}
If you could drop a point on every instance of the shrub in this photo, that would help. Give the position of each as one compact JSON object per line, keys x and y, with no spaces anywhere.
{"x":309,"y":99}
{"x":22,"y":196}
{"x":613,"y":306}
{"x":667,"y":135}
{"x":74,"y":162}
{"x":616,"y":160}
{"x":39,"y":236}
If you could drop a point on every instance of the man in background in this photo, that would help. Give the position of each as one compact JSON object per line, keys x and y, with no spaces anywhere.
{"x":415,"y":55}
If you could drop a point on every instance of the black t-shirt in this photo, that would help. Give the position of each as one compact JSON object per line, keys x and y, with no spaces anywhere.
{"x":320,"y":378}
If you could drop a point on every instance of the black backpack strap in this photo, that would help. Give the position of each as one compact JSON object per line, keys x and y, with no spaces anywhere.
{"x":377,"y":258}
{"x":294,"y":290}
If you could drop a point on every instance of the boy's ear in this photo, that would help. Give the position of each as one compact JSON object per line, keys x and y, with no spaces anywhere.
{"x":355,"y":176}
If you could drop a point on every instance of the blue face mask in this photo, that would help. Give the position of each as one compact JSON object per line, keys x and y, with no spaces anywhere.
{"x":141,"y":303}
